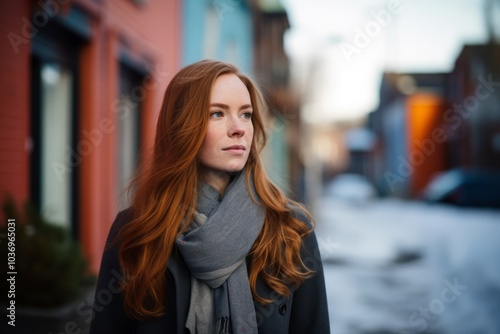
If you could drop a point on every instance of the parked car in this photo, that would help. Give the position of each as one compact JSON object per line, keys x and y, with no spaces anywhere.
{"x":464,"y":187}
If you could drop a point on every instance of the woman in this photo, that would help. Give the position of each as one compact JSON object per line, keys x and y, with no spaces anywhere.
{"x":209,"y":244}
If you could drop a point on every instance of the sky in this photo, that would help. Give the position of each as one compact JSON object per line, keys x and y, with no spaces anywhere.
{"x":339,"y":48}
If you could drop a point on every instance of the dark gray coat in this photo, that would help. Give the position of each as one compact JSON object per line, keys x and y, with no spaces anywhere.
{"x":304,"y":311}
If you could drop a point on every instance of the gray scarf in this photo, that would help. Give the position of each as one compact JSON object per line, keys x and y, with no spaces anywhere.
{"x":215,"y":247}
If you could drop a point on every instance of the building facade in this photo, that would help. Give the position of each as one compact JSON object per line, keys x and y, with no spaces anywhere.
{"x":272,"y":72}
{"x":81,"y":89}
{"x":409,"y":149}
{"x":428,"y":123}
{"x":473,"y":119}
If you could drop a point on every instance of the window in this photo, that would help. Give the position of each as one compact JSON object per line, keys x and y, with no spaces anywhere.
{"x":56,"y":119}
{"x":54,"y":160}
{"x":129,"y":124}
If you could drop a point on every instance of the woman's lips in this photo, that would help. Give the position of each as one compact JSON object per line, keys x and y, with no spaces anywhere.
{"x":236,"y":149}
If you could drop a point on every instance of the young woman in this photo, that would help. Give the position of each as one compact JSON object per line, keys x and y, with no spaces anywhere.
{"x":209,"y":244}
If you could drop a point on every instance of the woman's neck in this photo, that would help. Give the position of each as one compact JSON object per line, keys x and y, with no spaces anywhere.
{"x":215,"y":178}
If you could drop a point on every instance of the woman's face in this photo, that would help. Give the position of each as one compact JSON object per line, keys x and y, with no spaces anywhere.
{"x":227,"y":144}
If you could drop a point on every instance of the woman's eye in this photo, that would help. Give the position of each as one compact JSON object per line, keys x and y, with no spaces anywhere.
{"x":247,"y":114}
{"x":216,"y":114}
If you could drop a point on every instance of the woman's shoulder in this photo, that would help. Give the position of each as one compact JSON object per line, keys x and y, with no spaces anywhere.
{"x":122,"y":218}
{"x":298,"y":211}
{"x":310,"y":246}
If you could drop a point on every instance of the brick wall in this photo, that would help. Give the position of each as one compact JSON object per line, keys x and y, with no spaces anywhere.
{"x":14,"y":97}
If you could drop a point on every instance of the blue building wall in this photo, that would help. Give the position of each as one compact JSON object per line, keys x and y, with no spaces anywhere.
{"x":217,"y":29}
{"x":395,"y":132}
{"x":277,"y":166}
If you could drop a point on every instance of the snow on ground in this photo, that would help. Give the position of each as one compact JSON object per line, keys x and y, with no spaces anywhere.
{"x":395,"y":266}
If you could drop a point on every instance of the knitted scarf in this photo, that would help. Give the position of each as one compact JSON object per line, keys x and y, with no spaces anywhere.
{"x":215,"y":247}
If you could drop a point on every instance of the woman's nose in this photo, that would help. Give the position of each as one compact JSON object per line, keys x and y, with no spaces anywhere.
{"x":236,"y":127}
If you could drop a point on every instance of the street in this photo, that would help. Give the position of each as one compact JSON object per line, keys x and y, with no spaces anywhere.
{"x":395,"y":266}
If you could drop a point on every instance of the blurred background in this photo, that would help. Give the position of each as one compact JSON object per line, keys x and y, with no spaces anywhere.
{"x":384,"y":118}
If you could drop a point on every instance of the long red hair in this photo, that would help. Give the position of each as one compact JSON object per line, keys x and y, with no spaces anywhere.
{"x":164,"y":195}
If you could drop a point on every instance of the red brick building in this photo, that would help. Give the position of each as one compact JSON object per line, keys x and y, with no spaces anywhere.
{"x":81,"y":87}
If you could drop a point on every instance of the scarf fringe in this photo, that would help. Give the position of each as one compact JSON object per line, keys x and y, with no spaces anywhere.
{"x":223,"y":325}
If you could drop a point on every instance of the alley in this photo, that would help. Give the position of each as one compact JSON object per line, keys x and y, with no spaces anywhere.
{"x":394,"y":266}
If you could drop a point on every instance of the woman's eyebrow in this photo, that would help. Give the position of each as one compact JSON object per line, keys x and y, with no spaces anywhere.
{"x":225,"y":106}
{"x":219,"y":105}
